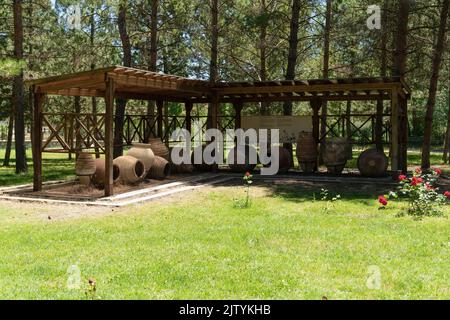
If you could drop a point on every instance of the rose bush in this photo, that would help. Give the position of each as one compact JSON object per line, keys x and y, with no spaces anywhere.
{"x":245,"y":203}
{"x":424,"y":198}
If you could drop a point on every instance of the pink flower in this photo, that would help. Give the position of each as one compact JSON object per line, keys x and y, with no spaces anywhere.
{"x":402,"y":177}
{"x":437,"y":171}
{"x":429,"y":186}
{"x":418,"y":170}
{"x":247,"y":174}
{"x":447,"y":194}
{"x":382,"y":200}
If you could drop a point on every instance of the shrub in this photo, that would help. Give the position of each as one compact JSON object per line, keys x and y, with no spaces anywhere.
{"x":424,"y":198}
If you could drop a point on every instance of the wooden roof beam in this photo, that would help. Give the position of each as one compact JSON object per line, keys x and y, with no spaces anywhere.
{"x":310,"y":88}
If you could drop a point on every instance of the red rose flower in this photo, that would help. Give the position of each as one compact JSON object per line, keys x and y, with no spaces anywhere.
{"x":437,"y":170}
{"x":418,"y":170}
{"x":382,"y":200}
{"x":415,"y":181}
{"x":447,"y":194}
{"x":401,"y":177}
{"x":247,"y":174}
{"x":429,"y":186}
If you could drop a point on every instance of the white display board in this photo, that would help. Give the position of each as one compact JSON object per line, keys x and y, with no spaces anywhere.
{"x":290,"y":126}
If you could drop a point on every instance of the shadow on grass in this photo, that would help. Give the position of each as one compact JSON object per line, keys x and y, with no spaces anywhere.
{"x":298,"y":190}
{"x":301,"y":193}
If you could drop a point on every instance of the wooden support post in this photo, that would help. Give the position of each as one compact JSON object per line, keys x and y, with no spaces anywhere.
{"x":315,"y":105}
{"x":159,"y":117}
{"x":188,"y":107}
{"x":167,"y":123}
{"x":109,"y":145}
{"x":37,"y":140}
{"x":238,"y":114}
{"x":214,"y":110}
{"x":394,"y":130}
{"x":214,"y":125}
{"x":403,"y":135}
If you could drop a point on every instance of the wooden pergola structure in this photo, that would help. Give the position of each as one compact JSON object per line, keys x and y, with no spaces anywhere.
{"x":129,"y":83}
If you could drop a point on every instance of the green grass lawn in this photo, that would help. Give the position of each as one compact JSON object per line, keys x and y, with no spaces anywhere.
{"x":55,"y":167}
{"x":286,"y":246}
{"x":199,"y":246}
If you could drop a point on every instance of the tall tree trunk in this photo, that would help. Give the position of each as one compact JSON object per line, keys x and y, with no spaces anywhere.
{"x":401,"y":52}
{"x":30,"y":62}
{"x":9,"y":138}
{"x":263,"y":52}
{"x":153,"y":35}
{"x":325,"y":74}
{"x":400,"y":58}
{"x":18,"y":91}
{"x":292,"y":60}
{"x":447,"y":132}
{"x":213,"y":68}
{"x":437,"y":58}
{"x":153,"y":53}
{"x":94,"y":99}
{"x":383,"y":72}
{"x":121,"y":103}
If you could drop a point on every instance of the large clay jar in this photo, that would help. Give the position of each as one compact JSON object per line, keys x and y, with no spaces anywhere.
{"x":159,"y":148}
{"x":85,"y":165}
{"x":131,"y":169}
{"x":249,"y":155}
{"x":372,"y":163}
{"x":335,"y":155}
{"x":160,"y":169}
{"x":307,"y":152}
{"x":85,"y":168}
{"x":99,"y":176}
{"x":143,"y":152}
{"x":284,"y":159}
{"x":182,"y":167}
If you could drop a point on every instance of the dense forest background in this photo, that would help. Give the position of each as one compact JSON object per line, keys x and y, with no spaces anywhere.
{"x":228,"y":40}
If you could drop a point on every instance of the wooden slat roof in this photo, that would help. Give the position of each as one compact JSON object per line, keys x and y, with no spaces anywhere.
{"x":142,"y":84}
{"x":130,"y":83}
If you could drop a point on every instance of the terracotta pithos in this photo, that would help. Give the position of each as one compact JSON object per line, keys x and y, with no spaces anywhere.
{"x":335,"y":155}
{"x":131,"y":169}
{"x":372,"y":163}
{"x":285,"y":162}
{"x":99,"y":176}
{"x":159,"y":148}
{"x":85,"y":165}
{"x":143,"y":152}
{"x":285,"y":159}
{"x":160,"y":169}
{"x":307,"y":152}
